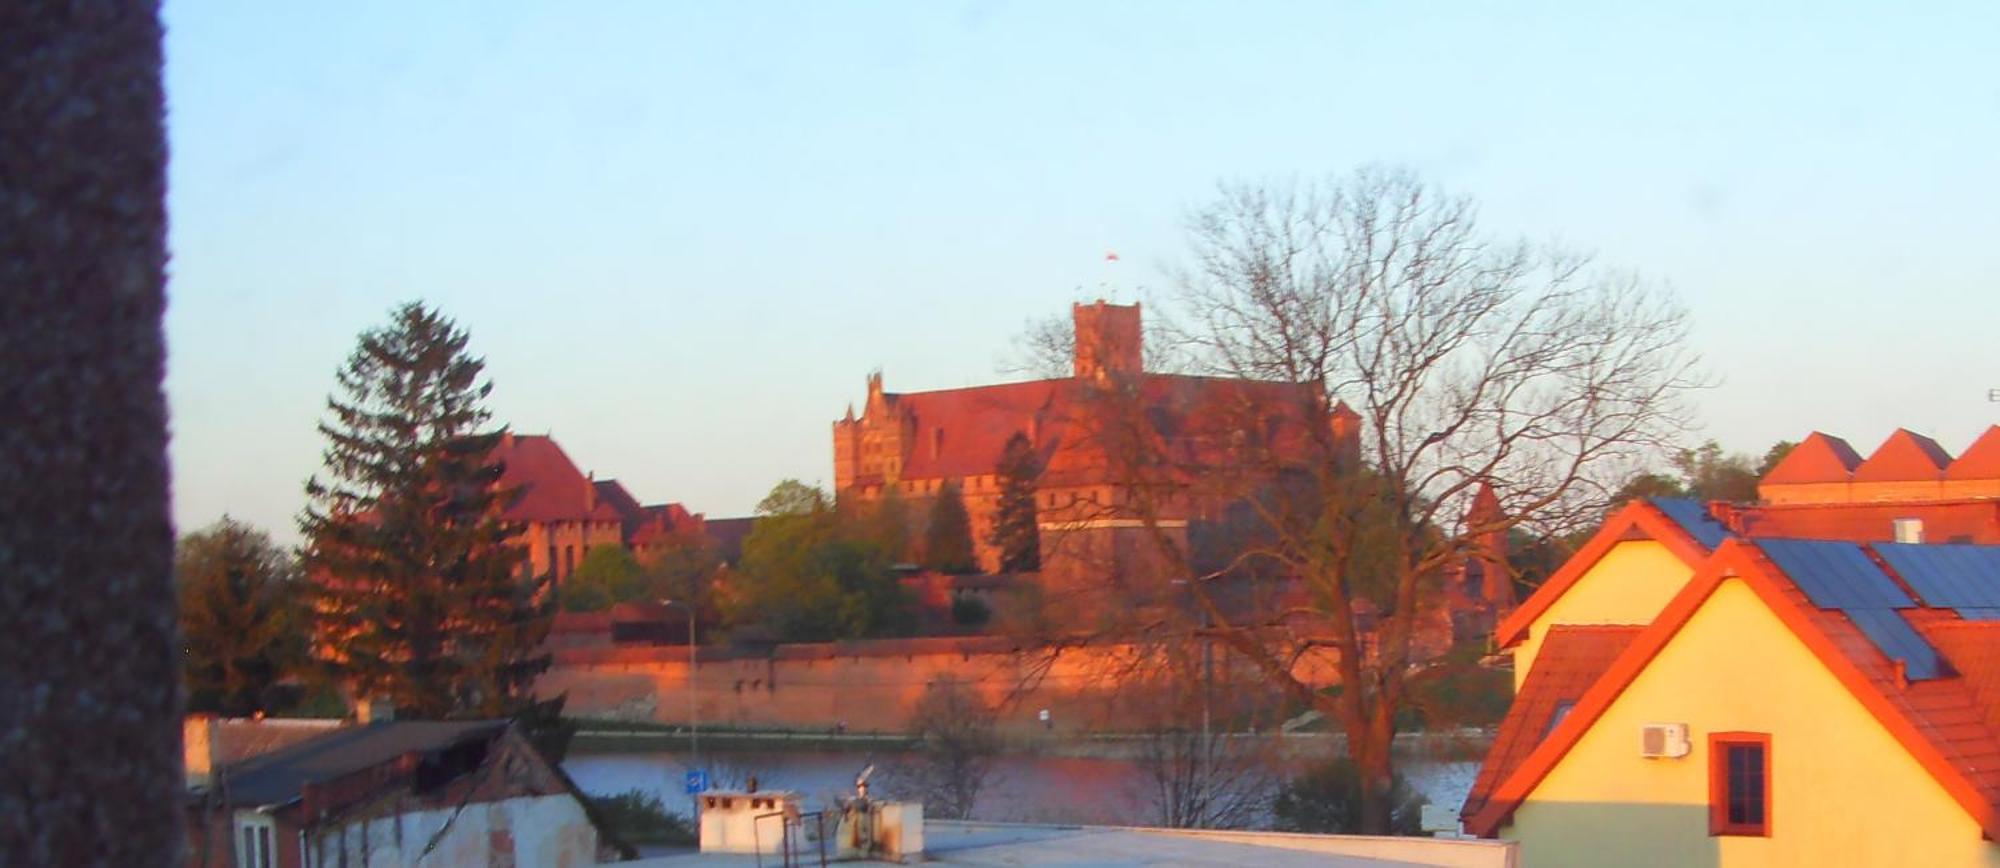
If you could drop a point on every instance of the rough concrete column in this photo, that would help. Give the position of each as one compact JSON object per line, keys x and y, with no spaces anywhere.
{"x":89,"y":668}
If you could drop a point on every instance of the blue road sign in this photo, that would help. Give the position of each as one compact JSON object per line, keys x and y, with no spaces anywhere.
{"x":697,"y":782}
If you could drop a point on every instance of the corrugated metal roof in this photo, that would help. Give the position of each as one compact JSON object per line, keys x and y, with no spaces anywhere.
{"x":276,"y":778}
{"x":1694,"y":518}
{"x":1980,"y":613}
{"x":1955,"y":576}
{"x":1835,"y":575}
{"x":1897,"y":639}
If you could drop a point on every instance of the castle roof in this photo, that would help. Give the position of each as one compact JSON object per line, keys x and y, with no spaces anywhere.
{"x":962,"y":432}
{"x":552,"y":488}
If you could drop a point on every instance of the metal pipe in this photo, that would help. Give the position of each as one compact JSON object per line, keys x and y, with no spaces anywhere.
{"x":694,"y":710}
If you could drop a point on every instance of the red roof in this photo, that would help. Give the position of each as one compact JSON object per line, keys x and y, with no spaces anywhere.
{"x":1904,"y":457}
{"x":962,"y":432}
{"x":1981,"y":460}
{"x":1818,"y":458}
{"x":553,"y":489}
{"x":1942,"y":722}
{"x":1572,"y":659}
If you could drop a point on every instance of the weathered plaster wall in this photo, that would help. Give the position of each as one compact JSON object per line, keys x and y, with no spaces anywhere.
{"x":526,"y":831}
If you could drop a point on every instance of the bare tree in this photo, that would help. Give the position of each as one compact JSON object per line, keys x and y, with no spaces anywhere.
{"x":1467,"y":363}
{"x":1202,"y":773}
{"x":955,"y":747}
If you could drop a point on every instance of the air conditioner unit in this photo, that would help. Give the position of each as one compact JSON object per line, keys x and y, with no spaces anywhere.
{"x":1664,"y":741}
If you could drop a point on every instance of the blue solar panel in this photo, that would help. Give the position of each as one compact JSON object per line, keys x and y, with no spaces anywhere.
{"x":1836,"y":575}
{"x":1897,"y":639}
{"x":1954,"y":576}
{"x":1693,"y":517}
{"x":1981,"y":613}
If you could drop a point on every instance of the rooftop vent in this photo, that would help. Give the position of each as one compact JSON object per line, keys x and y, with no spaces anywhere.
{"x":1909,"y":530}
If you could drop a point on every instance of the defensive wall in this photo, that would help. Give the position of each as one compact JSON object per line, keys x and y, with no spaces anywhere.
{"x":873,"y":685}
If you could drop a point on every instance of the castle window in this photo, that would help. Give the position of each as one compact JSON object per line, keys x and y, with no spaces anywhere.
{"x":569,"y":561}
{"x":1739,"y":784}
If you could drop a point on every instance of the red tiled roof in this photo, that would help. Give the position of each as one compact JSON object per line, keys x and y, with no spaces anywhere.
{"x":1942,"y":721}
{"x":1973,"y":649}
{"x":1818,"y":458}
{"x":553,"y":489}
{"x":1981,"y":460}
{"x":1905,"y":456}
{"x":1571,"y":660}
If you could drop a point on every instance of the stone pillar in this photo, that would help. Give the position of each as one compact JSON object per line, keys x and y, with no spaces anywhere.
{"x":89,"y":659}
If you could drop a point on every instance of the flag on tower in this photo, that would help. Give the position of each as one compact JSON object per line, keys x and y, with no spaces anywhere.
{"x":1110,"y":256}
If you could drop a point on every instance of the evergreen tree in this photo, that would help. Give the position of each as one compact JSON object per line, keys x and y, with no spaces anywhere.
{"x":241,"y":621}
{"x":1016,"y":530}
{"x":948,"y":539}
{"x":422,"y":593}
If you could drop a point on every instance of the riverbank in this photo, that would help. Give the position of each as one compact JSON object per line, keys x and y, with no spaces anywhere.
{"x":622,"y":737}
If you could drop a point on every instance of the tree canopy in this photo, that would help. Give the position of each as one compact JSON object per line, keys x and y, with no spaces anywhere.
{"x":242,"y":620}
{"x":422,"y":593}
{"x":809,"y":576}
{"x":948,"y":535}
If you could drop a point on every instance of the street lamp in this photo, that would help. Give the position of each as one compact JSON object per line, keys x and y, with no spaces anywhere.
{"x":694,"y":711}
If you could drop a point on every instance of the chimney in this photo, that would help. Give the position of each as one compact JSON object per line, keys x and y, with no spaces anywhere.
{"x":199,"y":748}
{"x":376,"y":710}
{"x":1107,"y":339}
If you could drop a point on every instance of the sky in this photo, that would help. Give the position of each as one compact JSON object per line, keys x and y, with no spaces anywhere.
{"x":682,"y":234}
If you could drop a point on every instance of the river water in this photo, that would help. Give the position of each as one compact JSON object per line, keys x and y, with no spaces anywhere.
{"x":1021,"y":789}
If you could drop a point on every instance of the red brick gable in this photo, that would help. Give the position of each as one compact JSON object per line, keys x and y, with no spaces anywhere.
{"x":1905,"y":456}
{"x":1818,"y":458}
{"x":1981,"y":460}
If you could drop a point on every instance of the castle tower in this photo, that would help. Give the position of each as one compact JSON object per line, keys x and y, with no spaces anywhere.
{"x":1107,"y":339}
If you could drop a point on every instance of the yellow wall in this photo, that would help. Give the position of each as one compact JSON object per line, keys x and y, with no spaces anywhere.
{"x":1844,"y":792}
{"x":1629,"y":585}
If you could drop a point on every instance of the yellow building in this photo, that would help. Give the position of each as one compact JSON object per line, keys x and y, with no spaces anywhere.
{"x":1786,"y":702}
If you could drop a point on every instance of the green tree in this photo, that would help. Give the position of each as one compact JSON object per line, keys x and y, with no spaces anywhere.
{"x":608,"y":575}
{"x":807,"y":577}
{"x":242,"y":627}
{"x":422,"y":596}
{"x":1016,"y":529}
{"x":948,"y":536}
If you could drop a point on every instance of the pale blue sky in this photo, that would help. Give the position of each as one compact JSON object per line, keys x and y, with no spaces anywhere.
{"x":681,"y":234}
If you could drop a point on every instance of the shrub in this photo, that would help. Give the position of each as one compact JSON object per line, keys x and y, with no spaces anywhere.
{"x":639,"y":817}
{"x":1327,"y":800}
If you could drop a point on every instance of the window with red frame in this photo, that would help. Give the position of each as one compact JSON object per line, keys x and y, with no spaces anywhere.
{"x":1739,"y":783}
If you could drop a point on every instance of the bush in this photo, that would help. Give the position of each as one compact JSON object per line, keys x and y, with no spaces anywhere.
{"x":1327,"y":800}
{"x":639,"y":817}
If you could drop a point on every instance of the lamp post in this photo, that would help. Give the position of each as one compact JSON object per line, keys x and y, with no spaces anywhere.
{"x":694,"y":711}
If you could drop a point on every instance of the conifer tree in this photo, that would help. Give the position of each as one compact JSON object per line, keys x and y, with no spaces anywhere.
{"x":422,"y":597}
{"x":948,"y":539}
{"x":1016,"y":530}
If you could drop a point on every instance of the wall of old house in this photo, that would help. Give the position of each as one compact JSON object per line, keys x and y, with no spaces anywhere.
{"x":521,"y":831}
